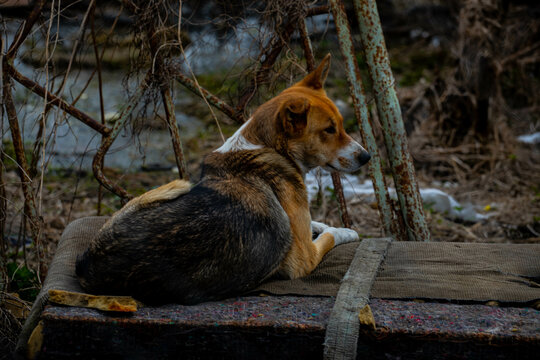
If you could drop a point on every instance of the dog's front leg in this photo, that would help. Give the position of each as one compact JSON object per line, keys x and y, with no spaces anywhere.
{"x":332,"y":236}
{"x":341,"y":235}
{"x":306,"y":254}
{"x":329,"y":238}
{"x":317,"y":228}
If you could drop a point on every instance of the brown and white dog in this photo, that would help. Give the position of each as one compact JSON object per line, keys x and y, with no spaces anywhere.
{"x":246,"y":219}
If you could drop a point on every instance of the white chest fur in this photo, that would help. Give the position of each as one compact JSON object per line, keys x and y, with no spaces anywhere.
{"x":238,"y":142}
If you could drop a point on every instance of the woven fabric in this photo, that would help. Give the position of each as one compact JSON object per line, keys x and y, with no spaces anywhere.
{"x":341,"y":339}
{"x":323,"y":281}
{"x":460,"y":271}
{"x":61,"y":276}
{"x":452,"y":271}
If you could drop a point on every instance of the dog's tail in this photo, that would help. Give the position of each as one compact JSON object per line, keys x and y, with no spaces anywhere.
{"x":166,"y":192}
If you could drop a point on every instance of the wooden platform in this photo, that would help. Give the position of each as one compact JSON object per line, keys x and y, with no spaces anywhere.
{"x":290,"y":327}
{"x":282,"y":326}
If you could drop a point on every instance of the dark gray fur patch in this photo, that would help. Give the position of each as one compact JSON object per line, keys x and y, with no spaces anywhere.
{"x":201,"y":246}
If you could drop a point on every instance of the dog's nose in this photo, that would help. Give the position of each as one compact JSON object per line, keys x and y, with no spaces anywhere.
{"x":364,"y":157}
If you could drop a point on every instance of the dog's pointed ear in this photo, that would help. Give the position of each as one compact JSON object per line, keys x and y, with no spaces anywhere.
{"x":293,"y":116}
{"x":317,"y":77}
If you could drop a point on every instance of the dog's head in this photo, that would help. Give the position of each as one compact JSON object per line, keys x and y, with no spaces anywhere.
{"x":309,"y":127}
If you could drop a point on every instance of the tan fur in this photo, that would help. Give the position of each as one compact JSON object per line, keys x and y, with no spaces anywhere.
{"x":305,"y":254}
{"x":100,"y":302}
{"x":322,"y":114}
{"x":168,"y":191}
{"x":165,"y":192}
{"x":35,"y":342}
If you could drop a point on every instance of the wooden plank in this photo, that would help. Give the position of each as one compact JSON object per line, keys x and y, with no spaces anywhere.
{"x":343,"y":327}
{"x":241,"y":328}
{"x":288,"y":327}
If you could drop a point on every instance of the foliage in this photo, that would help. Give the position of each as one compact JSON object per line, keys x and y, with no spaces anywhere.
{"x":24,"y":281}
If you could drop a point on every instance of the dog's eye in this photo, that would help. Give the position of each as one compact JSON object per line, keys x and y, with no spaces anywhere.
{"x":330,"y":130}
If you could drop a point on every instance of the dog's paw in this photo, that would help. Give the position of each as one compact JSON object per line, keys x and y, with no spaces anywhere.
{"x":317,"y":228}
{"x":342,"y":235}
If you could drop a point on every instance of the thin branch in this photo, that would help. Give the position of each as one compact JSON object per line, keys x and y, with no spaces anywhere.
{"x":30,"y":210}
{"x":179,"y":35}
{"x":170,"y":117}
{"x":336,"y":180}
{"x":82,"y":29}
{"x":306,"y":45}
{"x":211,"y":98}
{"x":54,"y":100}
{"x":107,"y":141}
{"x":3,"y":198}
{"x":269,"y":56}
{"x":25,"y":28}
{"x":100,"y":89}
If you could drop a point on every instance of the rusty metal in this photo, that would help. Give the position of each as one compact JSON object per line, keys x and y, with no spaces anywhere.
{"x":336,"y":180}
{"x":55,"y":100}
{"x":390,"y":118}
{"x":386,"y":212}
{"x":342,"y":204}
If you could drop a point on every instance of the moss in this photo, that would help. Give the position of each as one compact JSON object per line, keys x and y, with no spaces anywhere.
{"x":410,"y":67}
{"x":218,"y":82}
{"x":364,"y":73}
{"x":411,"y":77}
{"x":106,"y":210}
{"x":9,"y":154}
{"x":23,"y":281}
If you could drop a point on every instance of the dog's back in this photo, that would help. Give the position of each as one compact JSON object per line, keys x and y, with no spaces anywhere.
{"x":223,"y":237}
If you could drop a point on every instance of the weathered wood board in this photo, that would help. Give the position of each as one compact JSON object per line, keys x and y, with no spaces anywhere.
{"x":290,"y":327}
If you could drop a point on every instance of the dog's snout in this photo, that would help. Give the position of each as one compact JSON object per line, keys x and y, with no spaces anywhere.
{"x":364,"y":157}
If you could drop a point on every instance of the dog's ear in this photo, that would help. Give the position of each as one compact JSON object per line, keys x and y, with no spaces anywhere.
{"x":317,"y":77}
{"x":293,"y":116}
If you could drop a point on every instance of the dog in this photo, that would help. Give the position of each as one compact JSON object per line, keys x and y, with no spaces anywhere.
{"x":247,"y":218}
